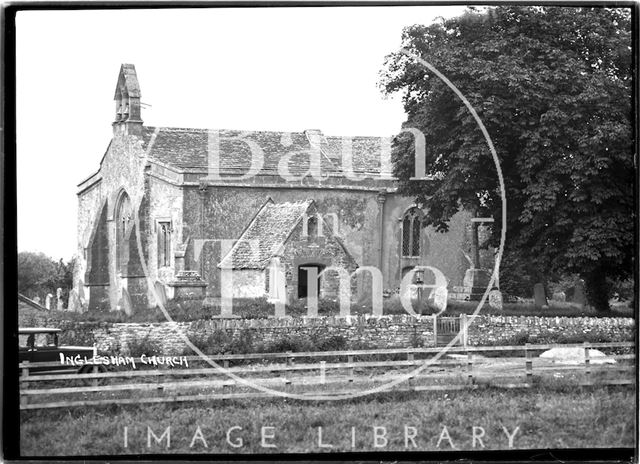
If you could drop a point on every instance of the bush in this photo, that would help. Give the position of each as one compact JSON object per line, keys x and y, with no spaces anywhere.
{"x":138,"y":347}
{"x":294,"y":344}
{"x":332,"y":343}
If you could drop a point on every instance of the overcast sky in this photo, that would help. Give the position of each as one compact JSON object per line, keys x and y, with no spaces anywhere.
{"x":285,"y":69}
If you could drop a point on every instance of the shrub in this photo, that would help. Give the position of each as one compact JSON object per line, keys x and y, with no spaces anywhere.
{"x":332,"y":343}
{"x":138,"y":347}
{"x":289,"y":343}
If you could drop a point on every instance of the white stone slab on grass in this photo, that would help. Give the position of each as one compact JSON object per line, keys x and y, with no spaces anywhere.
{"x":575,"y":355}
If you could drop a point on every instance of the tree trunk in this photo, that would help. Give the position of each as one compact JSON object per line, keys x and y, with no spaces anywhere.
{"x":597,"y":290}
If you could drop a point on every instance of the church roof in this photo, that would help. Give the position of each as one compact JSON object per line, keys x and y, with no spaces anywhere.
{"x":188,"y":149}
{"x":270,"y":228}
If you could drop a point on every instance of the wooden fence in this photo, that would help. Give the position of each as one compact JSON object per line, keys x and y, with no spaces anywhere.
{"x":460,"y":368}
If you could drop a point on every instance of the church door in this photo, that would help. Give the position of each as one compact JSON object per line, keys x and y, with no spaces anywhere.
{"x":303,"y":285}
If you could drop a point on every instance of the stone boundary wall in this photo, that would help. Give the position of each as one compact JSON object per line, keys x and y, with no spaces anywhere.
{"x":493,"y":330}
{"x":399,"y":331}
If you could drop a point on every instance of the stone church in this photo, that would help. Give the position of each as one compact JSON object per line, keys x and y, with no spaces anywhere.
{"x":171,"y":213}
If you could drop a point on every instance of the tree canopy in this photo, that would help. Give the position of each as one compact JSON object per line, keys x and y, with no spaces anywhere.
{"x":38,"y":275}
{"x":552,"y":85}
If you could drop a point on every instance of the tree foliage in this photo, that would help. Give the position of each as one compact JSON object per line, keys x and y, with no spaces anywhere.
{"x":38,"y":275}
{"x":552,"y":85}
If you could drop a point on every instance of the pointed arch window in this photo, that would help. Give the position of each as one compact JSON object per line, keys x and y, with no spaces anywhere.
{"x":411,"y":228}
{"x":123,"y":228}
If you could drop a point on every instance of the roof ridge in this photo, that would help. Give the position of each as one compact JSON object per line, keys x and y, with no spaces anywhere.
{"x":260,"y":131}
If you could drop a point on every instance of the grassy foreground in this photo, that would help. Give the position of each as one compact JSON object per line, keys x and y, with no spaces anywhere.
{"x":546,"y":417}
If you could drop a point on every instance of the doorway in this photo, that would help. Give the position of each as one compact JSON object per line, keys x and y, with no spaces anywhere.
{"x":303,"y":286}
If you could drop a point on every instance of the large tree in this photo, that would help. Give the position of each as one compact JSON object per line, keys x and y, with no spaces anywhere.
{"x":38,"y":275}
{"x":552,"y":85}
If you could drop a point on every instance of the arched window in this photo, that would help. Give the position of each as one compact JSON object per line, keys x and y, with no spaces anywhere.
{"x":123,"y":227}
{"x":411,"y":227}
{"x":312,"y":227}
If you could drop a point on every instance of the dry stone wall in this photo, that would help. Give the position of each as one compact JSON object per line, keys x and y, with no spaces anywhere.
{"x":358,"y":331}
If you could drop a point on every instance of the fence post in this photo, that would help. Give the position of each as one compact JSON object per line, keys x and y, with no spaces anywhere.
{"x":94,"y":382}
{"x":469,"y":366}
{"x":351,"y":369}
{"x":587,"y":363}
{"x":410,"y":357}
{"x":23,"y":383}
{"x":323,"y":370}
{"x":285,"y":374}
{"x":528,"y":363}
{"x":159,"y":381}
{"x":435,"y":331}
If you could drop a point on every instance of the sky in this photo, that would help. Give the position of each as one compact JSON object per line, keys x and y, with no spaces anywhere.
{"x":282,"y":69}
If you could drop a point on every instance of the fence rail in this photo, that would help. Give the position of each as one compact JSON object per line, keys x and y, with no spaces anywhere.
{"x":466,"y":370}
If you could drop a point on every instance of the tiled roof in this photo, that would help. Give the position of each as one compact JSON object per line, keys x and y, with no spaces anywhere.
{"x":188,"y":148}
{"x":270,"y":228}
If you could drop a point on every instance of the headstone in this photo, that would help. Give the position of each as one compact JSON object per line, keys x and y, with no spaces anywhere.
{"x":160,"y":293}
{"x":47,"y":301}
{"x":74,"y":301}
{"x":59,"y":299}
{"x":126,"y":302}
{"x":440,"y":295}
{"x":559,"y":296}
{"x":579,"y":295}
{"x":495,"y":299}
{"x":539,"y":296}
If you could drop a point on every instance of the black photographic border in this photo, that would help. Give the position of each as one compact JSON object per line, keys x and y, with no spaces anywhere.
{"x":8,"y":229}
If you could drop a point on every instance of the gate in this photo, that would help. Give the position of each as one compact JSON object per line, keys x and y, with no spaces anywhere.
{"x":446,"y":329}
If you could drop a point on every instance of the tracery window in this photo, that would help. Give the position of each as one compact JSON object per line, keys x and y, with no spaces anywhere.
{"x":411,"y":227}
{"x":164,"y":243}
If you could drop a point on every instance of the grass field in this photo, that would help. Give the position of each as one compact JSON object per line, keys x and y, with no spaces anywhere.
{"x":554,"y":415}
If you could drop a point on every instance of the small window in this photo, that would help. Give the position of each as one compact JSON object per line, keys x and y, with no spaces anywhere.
{"x":312,"y":227}
{"x":164,"y":243}
{"x":411,"y":228}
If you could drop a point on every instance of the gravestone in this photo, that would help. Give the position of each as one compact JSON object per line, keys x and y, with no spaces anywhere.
{"x":59,"y":299}
{"x":495,"y":299}
{"x":160,"y":293}
{"x":440,"y":295}
{"x":559,"y":296}
{"x":579,"y":295}
{"x":539,"y":297}
{"x":126,"y":302}
{"x":74,"y":301}
{"x":47,"y":301}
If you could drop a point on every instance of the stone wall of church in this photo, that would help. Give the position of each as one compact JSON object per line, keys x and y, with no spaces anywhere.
{"x":229,"y":210}
{"x":165,"y":206}
{"x":447,"y":251}
{"x":122,"y":170}
{"x":372,"y":240}
{"x":299,"y":251}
